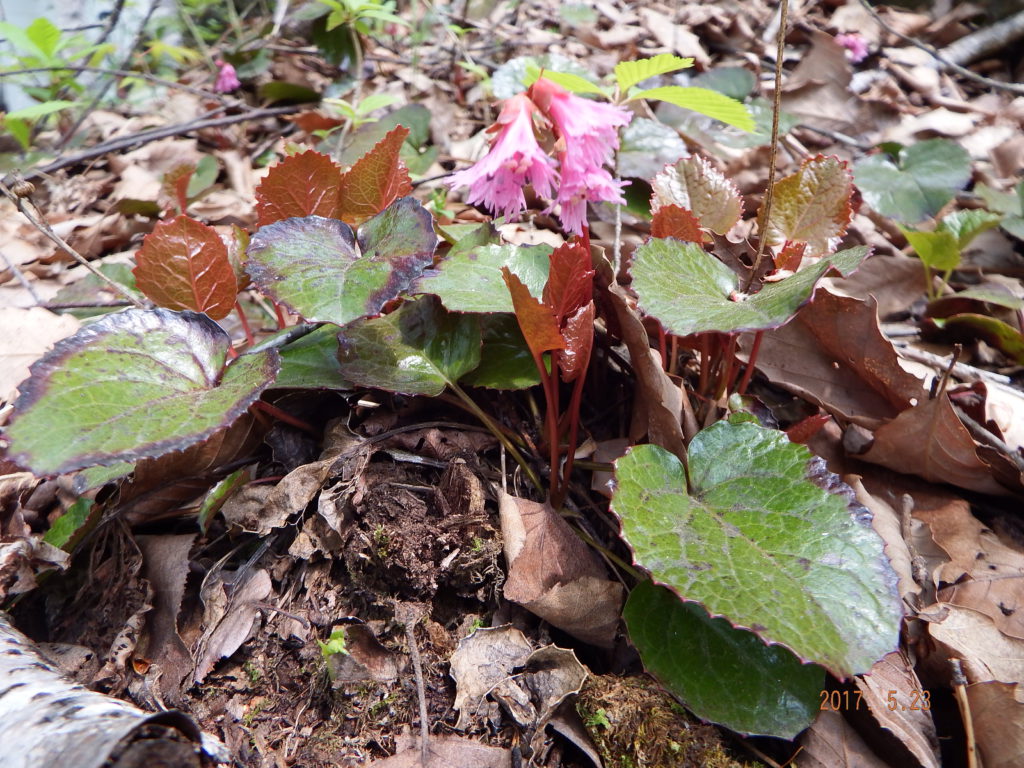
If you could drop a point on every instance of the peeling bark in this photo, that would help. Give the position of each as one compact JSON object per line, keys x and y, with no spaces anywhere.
{"x":48,"y":722}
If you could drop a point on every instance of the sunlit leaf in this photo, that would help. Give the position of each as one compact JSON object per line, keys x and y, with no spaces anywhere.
{"x":678,"y":222}
{"x":135,"y":384}
{"x":703,"y":100}
{"x":692,"y":183}
{"x":629,"y":73}
{"x":375,"y":181}
{"x":471,"y":281}
{"x":301,"y":185}
{"x":812,"y":205}
{"x":766,"y":538}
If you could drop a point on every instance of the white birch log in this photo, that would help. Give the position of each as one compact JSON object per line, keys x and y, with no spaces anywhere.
{"x":46,"y":721}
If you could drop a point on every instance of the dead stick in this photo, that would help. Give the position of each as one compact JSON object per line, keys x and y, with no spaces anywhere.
{"x":45,"y":228}
{"x":145,"y":137}
{"x":407,"y":615}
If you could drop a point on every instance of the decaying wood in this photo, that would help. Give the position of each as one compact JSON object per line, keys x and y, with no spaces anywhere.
{"x":48,"y":722}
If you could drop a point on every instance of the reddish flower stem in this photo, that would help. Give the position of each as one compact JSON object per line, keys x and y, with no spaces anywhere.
{"x":749,"y":372}
{"x":281,"y":322}
{"x":249,"y":339}
{"x":287,"y":418}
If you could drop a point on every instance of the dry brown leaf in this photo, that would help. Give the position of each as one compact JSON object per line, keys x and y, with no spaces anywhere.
{"x":987,"y":653}
{"x":833,"y":354}
{"x":914,"y":728}
{"x":364,"y":659}
{"x":27,"y":334}
{"x":22,"y":560}
{"x":229,"y":617}
{"x":895,"y":282}
{"x":994,"y":583}
{"x":554,"y":575}
{"x":658,"y":404}
{"x":165,"y":567}
{"x":886,"y":522}
{"x":817,"y":90}
{"x":997,"y":710}
{"x":831,"y":742}
{"x":449,"y":752}
{"x":481,"y":662}
{"x":930,"y":441}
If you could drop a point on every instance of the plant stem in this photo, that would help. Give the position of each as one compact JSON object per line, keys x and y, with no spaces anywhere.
{"x":287,"y":418}
{"x":249,"y":340}
{"x":493,"y":428}
{"x":749,"y":372}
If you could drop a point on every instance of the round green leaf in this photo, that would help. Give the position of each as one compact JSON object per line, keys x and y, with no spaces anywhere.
{"x":721,"y":673}
{"x":471,"y":281}
{"x":137,"y":384}
{"x":312,"y":362}
{"x":316,"y":268}
{"x":690,"y":291}
{"x":417,"y":350}
{"x":765,"y":538}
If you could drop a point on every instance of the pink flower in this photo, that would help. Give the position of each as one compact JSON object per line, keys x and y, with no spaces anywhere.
{"x":227,"y":78}
{"x":515,"y":159}
{"x":855,"y":45}
{"x":587,"y":139}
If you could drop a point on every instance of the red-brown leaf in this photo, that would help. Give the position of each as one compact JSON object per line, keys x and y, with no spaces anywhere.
{"x":791,"y":256}
{"x":570,"y":280}
{"x":176,"y":184}
{"x":183,"y":264}
{"x":375,"y":181}
{"x":678,"y":222}
{"x":578,"y":334}
{"x":300,"y":185}
{"x":538,"y":324}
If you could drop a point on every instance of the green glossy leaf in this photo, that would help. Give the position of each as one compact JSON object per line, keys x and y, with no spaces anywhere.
{"x":735,"y":82}
{"x":966,"y":225}
{"x":97,"y":477}
{"x":505,"y":360}
{"x":218,"y":495}
{"x":312,"y":362}
{"x":629,"y":73}
{"x":923,"y":180}
{"x":470,"y":281}
{"x":136,"y":384}
{"x":766,"y":538}
{"x":316,"y":267}
{"x":721,"y":673}
{"x":647,"y":147}
{"x":969,"y":326}
{"x":938,"y":249}
{"x":67,"y":525}
{"x":417,"y":350}
{"x":703,"y":100}
{"x":690,"y":291}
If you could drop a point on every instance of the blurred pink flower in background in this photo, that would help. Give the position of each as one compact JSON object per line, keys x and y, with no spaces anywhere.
{"x":855,"y":45}
{"x":227,"y":78}
{"x":515,"y":159}
{"x":587,"y":136}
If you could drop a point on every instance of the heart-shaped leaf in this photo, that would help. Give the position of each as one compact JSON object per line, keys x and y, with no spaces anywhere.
{"x":377,"y":179}
{"x":926,"y":177}
{"x":693,"y":184}
{"x":417,"y":350}
{"x":767,"y":538}
{"x":690,"y":291}
{"x":183,"y":264}
{"x":721,"y":673}
{"x":132,"y":385}
{"x":471,"y":281}
{"x":812,"y":205}
{"x":306,"y":184}
{"x":317,"y":268}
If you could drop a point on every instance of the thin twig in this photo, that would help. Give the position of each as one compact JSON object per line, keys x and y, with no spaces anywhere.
{"x":226,"y":100}
{"x":780,"y":52}
{"x":21,"y":278}
{"x":42,"y":226}
{"x":407,"y":616}
{"x":960,"y":693}
{"x":952,"y":65}
{"x":151,"y":135}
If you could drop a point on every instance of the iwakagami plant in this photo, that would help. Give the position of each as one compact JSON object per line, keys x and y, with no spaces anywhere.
{"x":763,"y":570}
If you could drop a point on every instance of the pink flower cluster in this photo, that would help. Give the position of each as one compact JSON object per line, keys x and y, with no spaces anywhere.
{"x":586,"y":136}
{"x":855,"y":45}
{"x":227,"y":78}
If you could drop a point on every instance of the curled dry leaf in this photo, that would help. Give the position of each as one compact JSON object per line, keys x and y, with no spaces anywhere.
{"x":553,"y":574}
{"x":913,"y":727}
{"x":831,"y":742}
{"x":835,"y":355}
{"x":997,"y":710}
